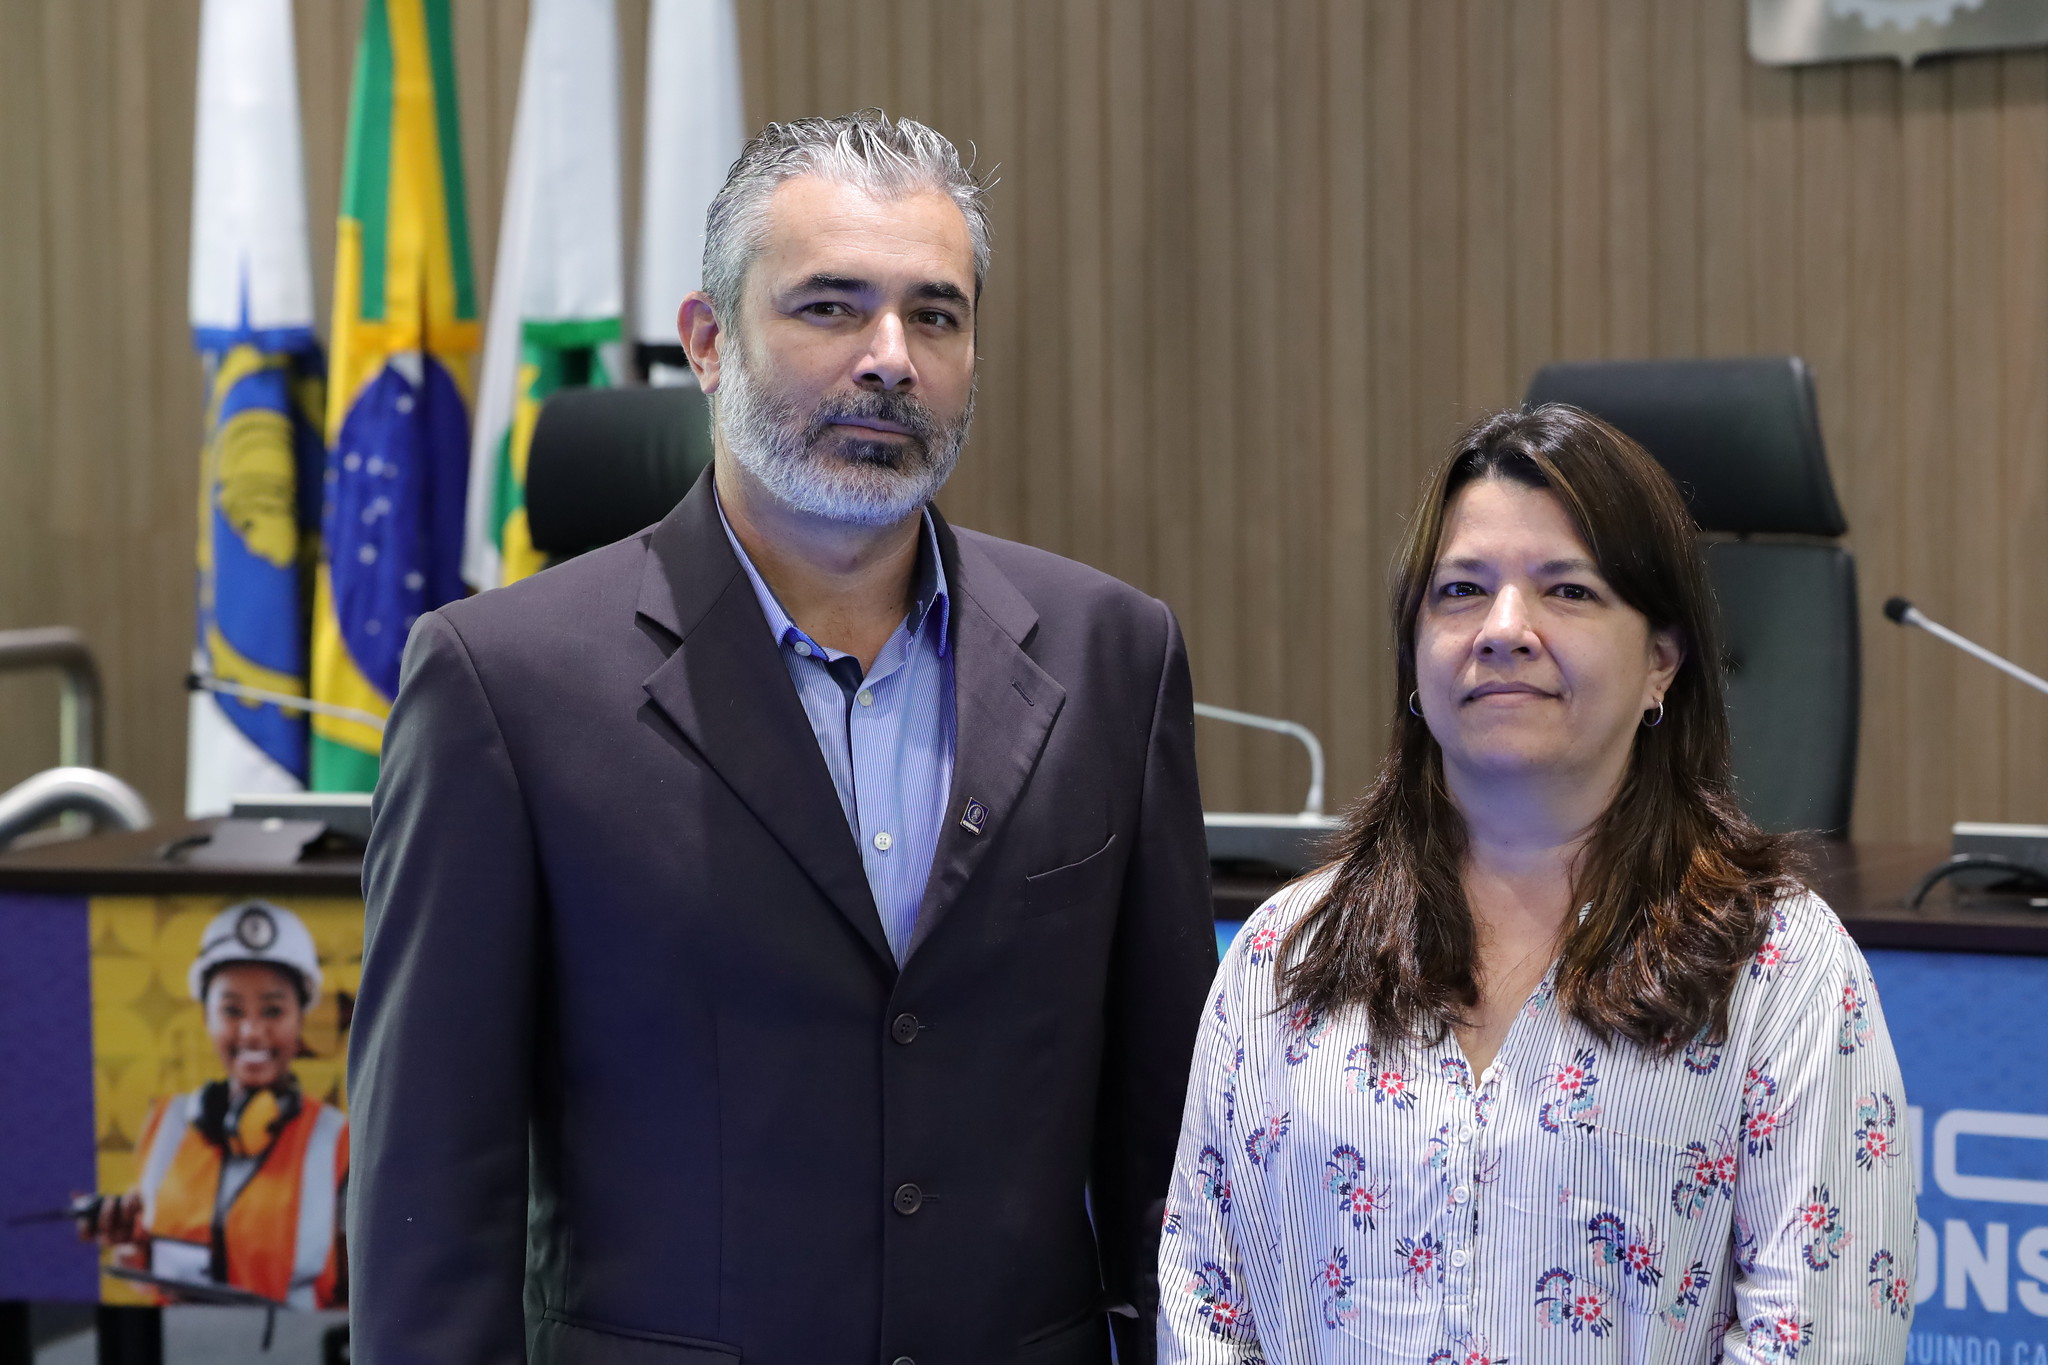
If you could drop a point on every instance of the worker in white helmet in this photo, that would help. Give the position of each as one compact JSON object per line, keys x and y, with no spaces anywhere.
{"x":242,"y":1179}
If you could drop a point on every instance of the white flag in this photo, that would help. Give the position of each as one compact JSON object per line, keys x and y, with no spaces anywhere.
{"x":251,"y":310}
{"x":248,"y":176}
{"x":557,"y":295}
{"x":696,"y":124}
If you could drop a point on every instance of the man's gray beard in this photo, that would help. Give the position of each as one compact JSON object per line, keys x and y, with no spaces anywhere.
{"x":872,"y":483}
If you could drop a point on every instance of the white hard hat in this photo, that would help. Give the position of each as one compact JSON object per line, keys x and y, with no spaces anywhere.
{"x":257,"y":931}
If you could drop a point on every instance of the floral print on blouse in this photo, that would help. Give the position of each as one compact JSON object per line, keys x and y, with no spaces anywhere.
{"x":1337,"y":1198}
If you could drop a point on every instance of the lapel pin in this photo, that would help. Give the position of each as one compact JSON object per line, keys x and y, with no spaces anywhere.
{"x":974,"y":819}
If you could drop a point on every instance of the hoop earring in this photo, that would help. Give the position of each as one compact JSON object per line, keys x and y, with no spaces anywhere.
{"x":1653,"y":724}
{"x":1413,"y":697}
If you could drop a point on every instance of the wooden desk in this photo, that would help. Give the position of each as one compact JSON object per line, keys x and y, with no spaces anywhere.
{"x":1867,"y":884}
{"x":134,"y":865}
{"x":1960,"y":980}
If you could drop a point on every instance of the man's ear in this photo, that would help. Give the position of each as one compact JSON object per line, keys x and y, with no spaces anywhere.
{"x":697,"y":325}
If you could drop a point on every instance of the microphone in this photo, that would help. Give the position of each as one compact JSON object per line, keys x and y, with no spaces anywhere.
{"x":1902,"y":612}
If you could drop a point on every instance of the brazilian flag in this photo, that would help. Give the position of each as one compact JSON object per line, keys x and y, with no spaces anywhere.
{"x":398,"y":423}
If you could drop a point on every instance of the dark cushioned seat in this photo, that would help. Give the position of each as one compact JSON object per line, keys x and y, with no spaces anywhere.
{"x":1741,"y":437}
{"x":607,"y":463}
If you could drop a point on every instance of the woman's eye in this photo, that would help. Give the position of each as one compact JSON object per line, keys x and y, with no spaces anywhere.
{"x":1575,"y":592}
{"x":1460,"y":589}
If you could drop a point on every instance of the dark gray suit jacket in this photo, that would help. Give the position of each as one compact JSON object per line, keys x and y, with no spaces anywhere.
{"x":630,"y":1044}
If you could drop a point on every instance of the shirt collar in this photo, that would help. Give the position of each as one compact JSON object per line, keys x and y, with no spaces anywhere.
{"x":929,"y":592}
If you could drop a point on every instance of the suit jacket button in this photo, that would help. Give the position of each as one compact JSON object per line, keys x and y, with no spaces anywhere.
{"x":904,"y":1028}
{"x":909,"y":1199}
{"x":902,"y":1360}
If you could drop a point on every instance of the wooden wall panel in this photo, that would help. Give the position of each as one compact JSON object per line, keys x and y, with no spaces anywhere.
{"x":1368,"y":223}
{"x":28,"y":704}
{"x":94,"y":237}
{"x":2022,"y":342}
{"x":1255,"y":265}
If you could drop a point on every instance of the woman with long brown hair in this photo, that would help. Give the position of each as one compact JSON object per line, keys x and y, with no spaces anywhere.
{"x":1557,"y":1061}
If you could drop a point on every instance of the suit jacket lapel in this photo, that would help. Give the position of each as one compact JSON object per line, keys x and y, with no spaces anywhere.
{"x":1004,"y":708}
{"x":726,"y":688}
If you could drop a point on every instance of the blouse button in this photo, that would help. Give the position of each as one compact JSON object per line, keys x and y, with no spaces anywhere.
{"x":1459,"y":1257}
{"x":1460,"y":1195}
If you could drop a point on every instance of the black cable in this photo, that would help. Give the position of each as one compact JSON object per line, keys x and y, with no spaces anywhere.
{"x":176,"y":849}
{"x":2033,"y":881}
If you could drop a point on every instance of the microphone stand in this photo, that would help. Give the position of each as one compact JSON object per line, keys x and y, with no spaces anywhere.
{"x":1904,"y":613}
{"x":2021,"y":877}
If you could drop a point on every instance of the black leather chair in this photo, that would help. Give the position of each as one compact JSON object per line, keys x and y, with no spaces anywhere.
{"x":1742,"y":439}
{"x":606,"y":463}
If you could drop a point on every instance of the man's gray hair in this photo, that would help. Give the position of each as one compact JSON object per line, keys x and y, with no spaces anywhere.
{"x":888,"y":158}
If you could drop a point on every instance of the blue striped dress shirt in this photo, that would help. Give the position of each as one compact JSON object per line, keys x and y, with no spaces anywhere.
{"x":887,"y":737}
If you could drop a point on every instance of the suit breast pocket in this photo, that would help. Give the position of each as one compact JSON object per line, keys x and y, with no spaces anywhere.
{"x":1085,"y":881}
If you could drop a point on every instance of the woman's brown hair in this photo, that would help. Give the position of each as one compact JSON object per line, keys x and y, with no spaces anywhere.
{"x":1678,"y":880}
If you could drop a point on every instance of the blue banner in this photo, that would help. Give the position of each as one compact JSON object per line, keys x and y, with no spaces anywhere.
{"x":1971,"y":1032}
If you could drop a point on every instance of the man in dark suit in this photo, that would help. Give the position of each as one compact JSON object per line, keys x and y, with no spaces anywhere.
{"x":787,"y":927}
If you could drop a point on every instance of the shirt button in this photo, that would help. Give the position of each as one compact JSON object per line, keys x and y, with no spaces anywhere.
{"x":909,"y":1199}
{"x":867,"y":697}
{"x":903,"y":1028}
{"x":1465,"y":1133}
{"x":803,"y":651}
{"x":1460,"y":1195}
{"x":884,"y":840}
{"x":1459,"y":1257}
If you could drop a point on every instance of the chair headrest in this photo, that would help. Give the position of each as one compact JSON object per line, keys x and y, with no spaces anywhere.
{"x":1740,"y":436}
{"x":606,"y":463}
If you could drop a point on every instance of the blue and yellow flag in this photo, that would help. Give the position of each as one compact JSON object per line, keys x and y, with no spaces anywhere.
{"x":258,"y":516}
{"x":398,"y":406}
{"x":251,"y":308}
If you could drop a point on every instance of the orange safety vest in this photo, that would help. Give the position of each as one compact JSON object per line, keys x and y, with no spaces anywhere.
{"x":280,"y":1229}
